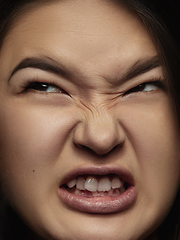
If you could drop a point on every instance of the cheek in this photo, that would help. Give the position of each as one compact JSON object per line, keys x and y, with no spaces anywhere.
{"x":153,"y":133}
{"x":31,"y":142}
{"x":158,"y":154}
{"x":154,"y":140}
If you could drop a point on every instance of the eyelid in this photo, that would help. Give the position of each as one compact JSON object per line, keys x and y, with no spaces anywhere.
{"x":27,"y":75}
{"x":26,"y":85}
{"x":159,"y":82}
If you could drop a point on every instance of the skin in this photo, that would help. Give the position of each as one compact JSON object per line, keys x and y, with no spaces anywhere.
{"x":43,"y":134}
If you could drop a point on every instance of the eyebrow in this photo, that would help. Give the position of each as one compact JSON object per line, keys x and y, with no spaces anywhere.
{"x":42,"y":64}
{"x":137,"y":69}
{"x":141,"y":67}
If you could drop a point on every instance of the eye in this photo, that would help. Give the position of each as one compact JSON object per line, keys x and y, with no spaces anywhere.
{"x":147,"y":87}
{"x":43,"y":87}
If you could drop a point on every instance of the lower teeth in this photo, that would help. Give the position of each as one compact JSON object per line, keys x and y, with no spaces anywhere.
{"x":113,"y":192}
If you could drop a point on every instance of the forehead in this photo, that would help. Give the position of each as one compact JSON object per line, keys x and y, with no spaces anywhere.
{"x":95,"y":29}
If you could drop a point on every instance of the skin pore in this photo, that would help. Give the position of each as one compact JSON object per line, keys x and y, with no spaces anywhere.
{"x":82,"y":87}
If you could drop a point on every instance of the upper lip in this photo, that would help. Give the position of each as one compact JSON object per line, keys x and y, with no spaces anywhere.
{"x":120,"y":171}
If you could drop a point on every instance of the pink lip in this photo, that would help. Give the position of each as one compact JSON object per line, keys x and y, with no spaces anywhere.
{"x":106,"y":204}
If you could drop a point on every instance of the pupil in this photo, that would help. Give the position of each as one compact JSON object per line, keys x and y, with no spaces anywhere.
{"x":39,"y":86}
{"x":141,"y":87}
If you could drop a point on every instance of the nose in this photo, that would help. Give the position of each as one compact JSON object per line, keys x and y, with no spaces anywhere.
{"x":100,"y":133}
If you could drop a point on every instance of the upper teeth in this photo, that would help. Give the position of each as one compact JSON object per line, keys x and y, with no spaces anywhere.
{"x":92,"y":184}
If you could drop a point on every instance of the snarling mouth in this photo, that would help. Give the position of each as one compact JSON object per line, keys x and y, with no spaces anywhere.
{"x":94,"y":189}
{"x":96,"y":186}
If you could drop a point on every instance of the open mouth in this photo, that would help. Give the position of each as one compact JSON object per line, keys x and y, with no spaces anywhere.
{"x":96,"y":186}
{"x":98,"y":190}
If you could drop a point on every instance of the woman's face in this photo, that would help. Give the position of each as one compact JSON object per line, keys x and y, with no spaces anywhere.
{"x":89,"y":142}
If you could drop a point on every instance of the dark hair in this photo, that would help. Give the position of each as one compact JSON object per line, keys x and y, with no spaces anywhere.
{"x":162,"y":20}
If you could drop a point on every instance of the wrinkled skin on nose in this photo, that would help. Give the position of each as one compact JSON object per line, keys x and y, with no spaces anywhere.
{"x":74,"y":107}
{"x":100,"y":132}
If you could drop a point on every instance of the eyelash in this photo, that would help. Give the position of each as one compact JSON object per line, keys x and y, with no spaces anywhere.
{"x":33,"y":85}
{"x":158,"y":83}
{"x":28,"y":85}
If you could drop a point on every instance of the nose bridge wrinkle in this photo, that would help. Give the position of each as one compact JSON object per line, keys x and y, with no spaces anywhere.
{"x":100,"y":132}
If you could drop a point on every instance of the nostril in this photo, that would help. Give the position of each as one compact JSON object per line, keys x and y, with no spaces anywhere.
{"x":99,"y":136}
{"x":98,"y":151}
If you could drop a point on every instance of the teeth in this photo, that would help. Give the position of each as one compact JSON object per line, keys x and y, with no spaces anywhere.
{"x":77,"y":191}
{"x":102,"y":194}
{"x":114,"y":192}
{"x":104,"y":184}
{"x":80,"y":183}
{"x":111,"y":192}
{"x":122,"y":190}
{"x":116,"y":183}
{"x":95,"y":194}
{"x":114,"y":186}
{"x":91,"y":184}
{"x":72,"y":183}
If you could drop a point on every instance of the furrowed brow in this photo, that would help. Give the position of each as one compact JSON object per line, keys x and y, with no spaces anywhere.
{"x":41,"y":64}
{"x":141,"y":67}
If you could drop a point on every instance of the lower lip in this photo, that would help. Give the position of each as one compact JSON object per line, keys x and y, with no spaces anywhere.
{"x":106,"y":204}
